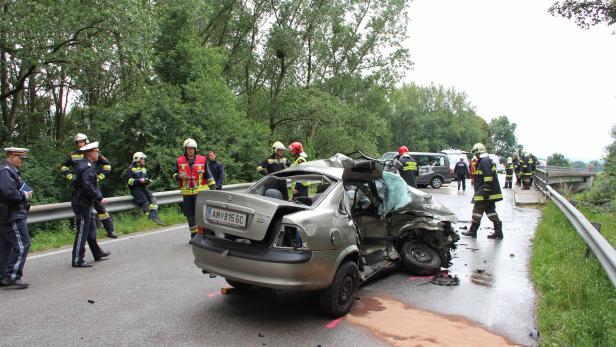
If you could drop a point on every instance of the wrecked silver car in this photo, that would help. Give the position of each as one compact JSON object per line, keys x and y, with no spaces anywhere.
{"x":357,"y":221}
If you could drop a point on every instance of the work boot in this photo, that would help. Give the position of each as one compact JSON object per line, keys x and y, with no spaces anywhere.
{"x":153,"y":215}
{"x":498,"y":231}
{"x":108,"y":225}
{"x":472,"y":231}
{"x":16,"y":284}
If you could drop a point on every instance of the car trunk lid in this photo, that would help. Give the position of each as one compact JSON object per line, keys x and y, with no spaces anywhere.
{"x":240,"y":214}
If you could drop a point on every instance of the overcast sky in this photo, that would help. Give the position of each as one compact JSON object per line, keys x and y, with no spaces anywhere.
{"x":555,"y":80}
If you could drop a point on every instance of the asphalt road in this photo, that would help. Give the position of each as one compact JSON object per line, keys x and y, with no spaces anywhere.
{"x":150,"y":293}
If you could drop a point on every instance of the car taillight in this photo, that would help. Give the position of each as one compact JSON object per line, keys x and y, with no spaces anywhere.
{"x":291,"y":236}
{"x":200,"y":230}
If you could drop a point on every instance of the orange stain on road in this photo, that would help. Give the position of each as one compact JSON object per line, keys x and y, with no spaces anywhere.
{"x":401,"y":325}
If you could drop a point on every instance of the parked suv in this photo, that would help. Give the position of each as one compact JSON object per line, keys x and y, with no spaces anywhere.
{"x":433,"y":167}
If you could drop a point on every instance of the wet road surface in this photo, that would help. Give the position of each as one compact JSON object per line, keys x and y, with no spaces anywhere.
{"x":150,"y":293}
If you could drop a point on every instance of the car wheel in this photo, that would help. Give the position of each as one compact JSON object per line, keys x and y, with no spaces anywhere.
{"x":239,"y":285}
{"x":420,"y":259}
{"x":436,"y":182}
{"x":338,"y":299}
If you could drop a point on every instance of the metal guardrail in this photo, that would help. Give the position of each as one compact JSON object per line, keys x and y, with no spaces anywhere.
{"x":63,"y":210}
{"x":605,"y":253}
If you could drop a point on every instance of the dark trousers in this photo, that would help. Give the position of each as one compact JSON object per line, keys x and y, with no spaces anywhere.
{"x":487,"y":207}
{"x":14,"y":248}
{"x":101,"y":212}
{"x":188,"y":209}
{"x":461,"y":180}
{"x":508,"y":181}
{"x":86,"y":232}
{"x":146,"y":200}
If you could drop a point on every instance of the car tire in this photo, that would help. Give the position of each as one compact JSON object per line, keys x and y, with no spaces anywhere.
{"x":436,"y":182}
{"x":239,"y":285}
{"x":420,"y":259}
{"x":338,"y":299}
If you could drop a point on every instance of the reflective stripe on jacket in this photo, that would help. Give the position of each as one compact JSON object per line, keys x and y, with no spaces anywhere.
{"x":486,"y":181}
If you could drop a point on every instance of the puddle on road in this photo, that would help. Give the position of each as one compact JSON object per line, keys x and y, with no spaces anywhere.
{"x":402,"y":325}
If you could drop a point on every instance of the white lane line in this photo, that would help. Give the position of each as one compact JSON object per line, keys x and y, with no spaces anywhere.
{"x":127,"y":237}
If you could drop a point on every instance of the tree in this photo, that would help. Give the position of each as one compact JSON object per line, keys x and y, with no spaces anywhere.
{"x":586,"y":13}
{"x":504,"y":141}
{"x":558,"y":159}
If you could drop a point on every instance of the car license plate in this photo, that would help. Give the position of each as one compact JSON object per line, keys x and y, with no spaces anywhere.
{"x":227,"y":217}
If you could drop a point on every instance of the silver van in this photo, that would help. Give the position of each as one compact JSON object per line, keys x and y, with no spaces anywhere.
{"x":433,"y":168}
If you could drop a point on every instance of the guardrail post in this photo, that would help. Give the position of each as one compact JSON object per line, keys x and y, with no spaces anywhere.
{"x":588,"y":250}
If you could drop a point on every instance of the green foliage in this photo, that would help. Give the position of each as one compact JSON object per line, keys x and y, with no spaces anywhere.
{"x":434,"y":118}
{"x":558,"y":159}
{"x":586,"y":13}
{"x":577,"y":302}
{"x":504,"y":141}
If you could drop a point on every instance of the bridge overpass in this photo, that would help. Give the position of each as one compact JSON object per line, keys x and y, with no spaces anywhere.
{"x":566,"y":178}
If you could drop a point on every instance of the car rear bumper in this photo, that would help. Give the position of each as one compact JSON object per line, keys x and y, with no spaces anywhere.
{"x":265,"y":267}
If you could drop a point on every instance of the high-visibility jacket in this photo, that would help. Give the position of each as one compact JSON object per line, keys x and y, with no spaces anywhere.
{"x":486,"y":181}
{"x":69,"y":166}
{"x":409,"y":170}
{"x":509,"y":171}
{"x":273,"y":164}
{"x":300,"y":186}
{"x":199,"y":178}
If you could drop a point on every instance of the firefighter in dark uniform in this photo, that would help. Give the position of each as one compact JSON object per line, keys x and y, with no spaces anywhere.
{"x":88,"y":192}
{"x":103,"y":168}
{"x":532,"y":162}
{"x":138,"y":182}
{"x":407,"y":166}
{"x":276,"y":162}
{"x":487,"y":193}
{"x":517,"y":167}
{"x":461,"y":170}
{"x":300,"y":188}
{"x":526,"y":170}
{"x":14,"y":236}
{"x":509,"y":173}
{"x":193,"y":177}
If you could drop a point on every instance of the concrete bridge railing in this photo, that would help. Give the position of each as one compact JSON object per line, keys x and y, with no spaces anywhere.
{"x":566,"y":178}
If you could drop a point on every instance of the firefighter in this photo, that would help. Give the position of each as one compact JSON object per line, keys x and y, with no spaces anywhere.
{"x":14,"y":236}
{"x":276,"y":162}
{"x":509,"y":173}
{"x":138,"y":182}
{"x":487,"y":193}
{"x":517,"y":165}
{"x":88,"y":193}
{"x":532,"y":162}
{"x":407,"y":167}
{"x":526,"y":170}
{"x":193,"y":177}
{"x":102,"y":167}
{"x":300,"y":188}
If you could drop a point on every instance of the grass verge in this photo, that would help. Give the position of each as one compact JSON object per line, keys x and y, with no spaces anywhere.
{"x":577,"y":302}
{"x":58,"y":234}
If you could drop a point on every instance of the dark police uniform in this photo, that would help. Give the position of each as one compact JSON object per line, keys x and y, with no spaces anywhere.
{"x":88,"y":192}
{"x":273,"y":164}
{"x":461,"y":170}
{"x":14,"y":236}
{"x":487,"y":193}
{"x":141,"y":194}
{"x":103,"y":168}
{"x":217,"y":169}
{"x":408,"y":169}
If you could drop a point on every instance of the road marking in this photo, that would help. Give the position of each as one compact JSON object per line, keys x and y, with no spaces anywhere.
{"x":127,"y":237}
{"x":333,"y":323}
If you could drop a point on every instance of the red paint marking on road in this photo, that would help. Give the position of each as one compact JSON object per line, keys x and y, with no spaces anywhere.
{"x":419,"y":277}
{"x":333,"y":323}
{"x":211,"y":295}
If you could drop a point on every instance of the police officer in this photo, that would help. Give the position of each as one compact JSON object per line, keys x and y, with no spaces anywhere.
{"x":509,"y":173}
{"x":300,"y":188}
{"x":407,"y":166}
{"x":276,"y":162}
{"x":14,"y":236}
{"x":138,"y":182}
{"x":103,"y":168}
{"x":192,"y":176}
{"x":487,"y":193}
{"x":88,"y":192}
{"x":461,"y":170}
{"x":217,"y":169}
